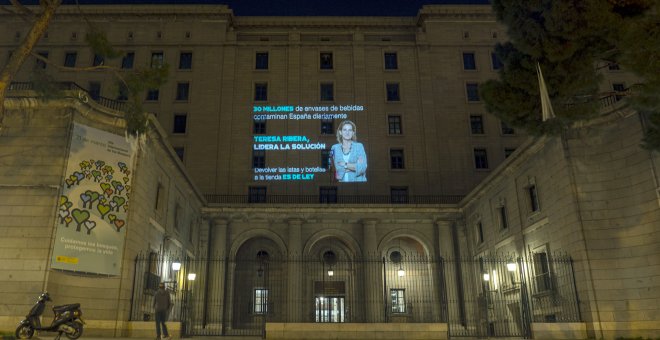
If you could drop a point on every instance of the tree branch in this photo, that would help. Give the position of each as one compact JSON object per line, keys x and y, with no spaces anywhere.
{"x":22,"y":10}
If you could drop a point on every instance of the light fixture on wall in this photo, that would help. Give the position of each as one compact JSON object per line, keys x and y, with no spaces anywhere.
{"x":330,"y":271}
{"x":486,"y":277}
{"x":192,"y":276}
{"x":176,"y":266}
{"x":401,"y":272}
{"x":511,"y":266}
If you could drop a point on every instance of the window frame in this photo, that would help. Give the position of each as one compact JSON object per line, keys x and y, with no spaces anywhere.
{"x":258,"y":159}
{"x":542,"y":270}
{"x":128,"y":61}
{"x":483,"y":164}
{"x":259,"y":127}
{"x":328,"y":194}
{"x":258,"y":94}
{"x":67,"y":62}
{"x":472,"y":92}
{"x":152,"y":95}
{"x":394,"y":125}
{"x":257,"y":194}
{"x":326,"y":65}
{"x":399,"y":194}
{"x":324,"y":95}
{"x":259,"y":301}
{"x":469,"y":64}
{"x":387,"y":62}
{"x":496,"y":63}
{"x":393,"y":88}
{"x":180,"y":115}
{"x":257,"y":65}
{"x":480,"y":129}
{"x":397,"y":161}
{"x":157,"y":59}
{"x":398,"y":301}
{"x":181,"y":95}
{"x":189,"y":62}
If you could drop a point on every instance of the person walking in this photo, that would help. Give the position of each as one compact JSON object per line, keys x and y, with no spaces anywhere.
{"x":162,"y":305}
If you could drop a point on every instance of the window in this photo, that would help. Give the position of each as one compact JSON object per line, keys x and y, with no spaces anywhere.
{"x":260,"y":301}
{"x":182,"y":91}
{"x":152,"y":94}
{"x":122,"y":92}
{"x":506,"y":129}
{"x":185,"y":61}
{"x":327,"y":92}
{"x":325,"y":159}
{"x":399,"y":195}
{"x":504,"y":223}
{"x":99,"y":60}
{"x":260,"y":92}
{"x":392,"y":92}
{"x":508,"y":152}
{"x":477,"y":124}
{"x":259,"y":127}
{"x":70,"y":59}
{"x":178,"y":215}
{"x":619,"y":87}
{"x":179,"y":150}
{"x":469,"y":61}
{"x":533,"y":198}
{"x":472,"y":92}
{"x":394,"y":125}
{"x":391,"y":62}
{"x":613,"y":67}
{"x":40,"y":64}
{"x":480,"y":232}
{"x":327,"y":127}
{"x":326,"y":61}
{"x":495,"y":61}
{"x":157,"y":59}
{"x":328,"y":195}
{"x":542,"y":272}
{"x":261,"y":61}
{"x":180,"y":123}
{"x":127,"y":61}
{"x":396,"y":159}
{"x":159,"y":194}
{"x":257,"y":195}
{"x":95,"y":90}
{"x":480,"y":158}
{"x":398,"y":299}
{"x":258,"y":159}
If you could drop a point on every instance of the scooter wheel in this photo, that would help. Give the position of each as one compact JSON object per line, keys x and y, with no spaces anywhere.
{"x":24,"y":332}
{"x":78,"y":327}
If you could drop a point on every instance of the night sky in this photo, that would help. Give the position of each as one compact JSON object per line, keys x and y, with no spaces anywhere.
{"x":299,"y":7}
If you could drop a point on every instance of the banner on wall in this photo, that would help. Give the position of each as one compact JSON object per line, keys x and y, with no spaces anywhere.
{"x":92,"y":210}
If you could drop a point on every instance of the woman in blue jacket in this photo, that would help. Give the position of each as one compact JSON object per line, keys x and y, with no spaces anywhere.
{"x":349,"y":158}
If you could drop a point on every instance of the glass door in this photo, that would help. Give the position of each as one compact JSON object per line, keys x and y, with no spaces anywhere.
{"x":329,"y":309}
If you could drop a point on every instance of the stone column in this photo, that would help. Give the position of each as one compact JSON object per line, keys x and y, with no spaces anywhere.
{"x":215,"y":290}
{"x":295,"y":301}
{"x":445,"y":270}
{"x":373,"y":275}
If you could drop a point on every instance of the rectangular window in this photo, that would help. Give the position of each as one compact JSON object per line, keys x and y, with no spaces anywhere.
{"x":495,"y":61}
{"x":392,"y":92}
{"x":122,"y":92}
{"x":480,"y":158}
{"x":261,"y":61}
{"x":180,"y":123}
{"x":127,"y":61}
{"x":477,"y":124}
{"x":98,"y":60}
{"x":326,"y":61}
{"x":152,"y":94}
{"x":95,"y":90}
{"x":504,"y":223}
{"x":185,"y":61}
{"x":40,"y":64}
{"x":469,"y":61}
{"x":157,"y":59}
{"x":259,"y":127}
{"x":159,"y":193}
{"x":533,"y":198}
{"x":480,"y":232}
{"x":179,"y":150}
{"x":613,"y":67}
{"x":396,"y":159}
{"x":391,"y":62}
{"x":327,"y":92}
{"x":70,"y":59}
{"x":327,"y":127}
{"x":260,"y":92}
{"x":325,"y":159}
{"x":506,"y":129}
{"x":394,"y":126}
{"x":328,"y":195}
{"x":472,"y":92}
{"x":399,"y":195}
{"x":257,"y":195}
{"x":398,"y":299}
{"x":508,"y":152}
{"x":260,"y":299}
{"x":619,"y":88}
{"x":182,"y":91}
{"x":258,"y":159}
{"x":542,"y":272}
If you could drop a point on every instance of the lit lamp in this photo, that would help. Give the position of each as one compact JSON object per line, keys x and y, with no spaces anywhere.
{"x":511,"y":266}
{"x":486,"y":277}
{"x":192,"y":276}
{"x":176,"y":266}
{"x":401,"y":272}
{"x":331,"y":272}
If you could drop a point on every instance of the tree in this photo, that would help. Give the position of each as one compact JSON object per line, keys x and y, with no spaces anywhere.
{"x":134,"y":82}
{"x":572,"y":40}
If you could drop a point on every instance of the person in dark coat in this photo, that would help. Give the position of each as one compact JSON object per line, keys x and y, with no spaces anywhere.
{"x":162,"y":305}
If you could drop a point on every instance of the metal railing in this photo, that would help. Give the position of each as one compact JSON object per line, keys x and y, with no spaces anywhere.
{"x":339,"y":199}
{"x":238,"y":296}
{"x":113,"y":104}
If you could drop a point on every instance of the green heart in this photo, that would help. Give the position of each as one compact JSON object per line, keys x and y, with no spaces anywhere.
{"x":103,"y":209}
{"x":119,"y":200}
{"x":116,"y":183}
{"x":63,"y":199}
{"x":125,"y":180}
{"x":112,"y":217}
{"x":93,"y":194}
{"x":96,"y":173}
{"x":80,"y":215}
{"x":105,"y":186}
{"x":68,"y":205}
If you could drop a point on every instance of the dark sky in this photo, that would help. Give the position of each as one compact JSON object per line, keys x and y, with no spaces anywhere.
{"x":299,"y":7}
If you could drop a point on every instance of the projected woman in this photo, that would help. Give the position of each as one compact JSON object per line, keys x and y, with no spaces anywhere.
{"x":349,"y":158}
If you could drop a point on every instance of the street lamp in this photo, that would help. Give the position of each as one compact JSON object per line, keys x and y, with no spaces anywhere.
{"x":176,"y":266}
{"x":401,"y":272}
{"x":191,"y":276}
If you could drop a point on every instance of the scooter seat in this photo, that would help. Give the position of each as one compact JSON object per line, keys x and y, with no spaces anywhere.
{"x":64,"y":308}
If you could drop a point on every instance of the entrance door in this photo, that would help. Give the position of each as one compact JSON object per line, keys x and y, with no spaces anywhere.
{"x":329,"y":309}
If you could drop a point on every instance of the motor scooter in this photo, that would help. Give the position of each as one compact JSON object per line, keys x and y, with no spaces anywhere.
{"x":67,"y":320}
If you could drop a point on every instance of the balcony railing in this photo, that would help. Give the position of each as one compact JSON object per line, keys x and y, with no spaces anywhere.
{"x":339,"y":199}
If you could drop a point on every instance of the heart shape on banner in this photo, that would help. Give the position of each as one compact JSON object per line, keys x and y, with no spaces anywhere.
{"x":80,"y":215}
{"x":119,"y":224}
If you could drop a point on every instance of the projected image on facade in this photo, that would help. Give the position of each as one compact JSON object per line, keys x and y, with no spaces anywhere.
{"x":345,"y":161}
